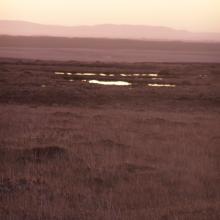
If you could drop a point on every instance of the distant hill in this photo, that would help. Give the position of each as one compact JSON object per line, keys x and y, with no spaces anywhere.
{"x":23,"y":28}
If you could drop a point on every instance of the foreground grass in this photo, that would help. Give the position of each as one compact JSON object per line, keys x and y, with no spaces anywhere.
{"x":70,"y":150}
{"x":87,"y":163}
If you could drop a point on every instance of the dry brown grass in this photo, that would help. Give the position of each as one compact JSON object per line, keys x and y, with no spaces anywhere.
{"x":108,"y":164}
{"x":154,"y":156}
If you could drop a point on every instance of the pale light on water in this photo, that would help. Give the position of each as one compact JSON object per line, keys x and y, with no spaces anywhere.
{"x":153,"y":74}
{"x":114,"y":83}
{"x":85,"y":74}
{"x":59,"y":73}
{"x":104,"y":74}
{"x":161,"y":85}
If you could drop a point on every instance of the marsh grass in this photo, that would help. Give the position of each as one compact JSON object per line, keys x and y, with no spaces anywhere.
{"x":108,"y":164}
{"x":79,"y":151}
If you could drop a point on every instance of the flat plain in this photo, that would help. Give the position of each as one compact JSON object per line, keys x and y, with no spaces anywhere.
{"x":74,"y":149}
{"x":108,"y":50}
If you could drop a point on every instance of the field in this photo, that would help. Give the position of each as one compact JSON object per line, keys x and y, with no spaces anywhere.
{"x":73,"y":149}
{"x":107,"y":50}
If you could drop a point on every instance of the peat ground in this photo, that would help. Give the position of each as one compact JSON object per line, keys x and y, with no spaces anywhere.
{"x":70,"y":149}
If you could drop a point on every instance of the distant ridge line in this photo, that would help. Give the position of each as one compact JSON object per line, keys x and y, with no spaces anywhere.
{"x":138,"y":32}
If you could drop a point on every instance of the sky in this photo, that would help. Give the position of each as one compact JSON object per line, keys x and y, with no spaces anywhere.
{"x":192,"y":15}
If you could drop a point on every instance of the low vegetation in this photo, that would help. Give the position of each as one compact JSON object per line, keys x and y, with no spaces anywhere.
{"x":71,"y":150}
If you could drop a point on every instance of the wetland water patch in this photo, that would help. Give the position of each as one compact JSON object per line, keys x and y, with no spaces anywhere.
{"x":85,"y":74}
{"x":94,"y":78}
{"x":155,"y":75}
{"x":161,"y":85}
{"x":110,"y":83}
{"x":59,"y":73}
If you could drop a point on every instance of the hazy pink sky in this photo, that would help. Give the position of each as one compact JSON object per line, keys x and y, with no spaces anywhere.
{"x":194,"y":15}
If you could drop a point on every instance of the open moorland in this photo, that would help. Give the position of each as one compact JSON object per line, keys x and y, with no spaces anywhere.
{"x":74,"y":147}
{"x":108,"y":50}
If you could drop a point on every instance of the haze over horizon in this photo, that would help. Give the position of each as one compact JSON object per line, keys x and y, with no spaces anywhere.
{"x":111,"y":31}
{"x":105,"y":24}
{"x":190,"y":15}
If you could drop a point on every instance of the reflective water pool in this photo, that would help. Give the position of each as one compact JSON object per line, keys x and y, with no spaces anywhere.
{"x":149,"y":76}
{"x":115,"y":83}
{"x":161,"y":85}
{"x":59,"y":73}
{"x":85,"y":74}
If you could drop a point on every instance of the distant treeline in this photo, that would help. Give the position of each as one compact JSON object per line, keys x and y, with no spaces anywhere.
{"x":103,"y":43}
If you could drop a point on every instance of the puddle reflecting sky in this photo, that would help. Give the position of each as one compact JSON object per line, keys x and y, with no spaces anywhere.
{"x":161,"y":85}
{"x":85,"y":74}
{"x":59,"y":73}
{"x":104,"y":74}
{"x":139,"y":74}
{"x":153,"y":76}
{"x":114,"y":83}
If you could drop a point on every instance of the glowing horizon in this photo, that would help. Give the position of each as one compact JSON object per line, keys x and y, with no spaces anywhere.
{"x":192,"y":15}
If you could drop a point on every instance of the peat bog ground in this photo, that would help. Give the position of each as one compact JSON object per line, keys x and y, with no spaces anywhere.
{"x":74,"y":147}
